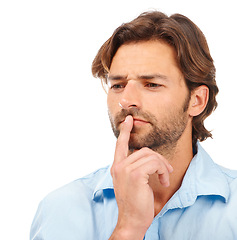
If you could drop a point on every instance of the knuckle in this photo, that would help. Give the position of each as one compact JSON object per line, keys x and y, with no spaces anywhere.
{"x":135,"y":175}
{"x":159,"y":168}
{"x":112,"y":170}
{"x":119,"y":170}
{"x":156,"y":162}
{"x":115,"y":169}
{"x":146,"y":150}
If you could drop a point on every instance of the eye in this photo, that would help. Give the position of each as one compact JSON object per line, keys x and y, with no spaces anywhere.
{"x":117,"y":87}
{"x":153,"y":85}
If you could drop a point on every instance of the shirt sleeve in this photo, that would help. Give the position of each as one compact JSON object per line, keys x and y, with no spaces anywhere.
{"x":36,"y":227}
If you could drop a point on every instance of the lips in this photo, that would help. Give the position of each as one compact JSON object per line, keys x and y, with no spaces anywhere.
{"x":139,"y":117}
{"x":136,"y":121}
{"x":140,"y":120}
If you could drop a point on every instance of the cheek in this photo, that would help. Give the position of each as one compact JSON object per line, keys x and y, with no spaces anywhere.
{"x":162,"y":107}
{"x":172,"y":100}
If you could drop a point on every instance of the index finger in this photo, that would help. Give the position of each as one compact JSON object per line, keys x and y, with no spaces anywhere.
{"x":121,"y":150}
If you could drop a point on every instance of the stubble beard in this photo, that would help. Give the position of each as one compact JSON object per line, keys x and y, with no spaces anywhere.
{"x":162,"y":136}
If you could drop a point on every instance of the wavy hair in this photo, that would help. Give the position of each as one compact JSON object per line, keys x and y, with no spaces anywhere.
{"x":192,"y":55}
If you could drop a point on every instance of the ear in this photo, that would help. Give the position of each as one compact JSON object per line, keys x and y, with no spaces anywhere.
{"x":199,"y":99}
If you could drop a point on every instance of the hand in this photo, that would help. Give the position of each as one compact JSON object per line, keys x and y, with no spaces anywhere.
{"x":133,"y":194}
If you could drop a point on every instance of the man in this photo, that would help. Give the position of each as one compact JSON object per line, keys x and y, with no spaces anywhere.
{"x":162,"y":184}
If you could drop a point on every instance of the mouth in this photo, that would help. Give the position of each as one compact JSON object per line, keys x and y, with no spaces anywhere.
{"x":137,"y":121}
{"x":140,"y":120}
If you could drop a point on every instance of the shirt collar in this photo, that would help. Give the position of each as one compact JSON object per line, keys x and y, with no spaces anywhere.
{"x":203,"y":177}
{"x":105,"y":183}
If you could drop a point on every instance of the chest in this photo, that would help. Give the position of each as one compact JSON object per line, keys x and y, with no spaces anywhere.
{"x":197,"y":222}
{"x":205,"y":219}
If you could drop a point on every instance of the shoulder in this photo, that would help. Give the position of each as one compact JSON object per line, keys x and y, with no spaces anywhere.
{"x":69,"y":207}
{"x":78,"y":189}
{"x":229,"y":174}
{"x":216,"y":174}
{"x":231,"y":210}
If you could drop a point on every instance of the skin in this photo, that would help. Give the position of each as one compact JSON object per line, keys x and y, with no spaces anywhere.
{"x":145,"y":179}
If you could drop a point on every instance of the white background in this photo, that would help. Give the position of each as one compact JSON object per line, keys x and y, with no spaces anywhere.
{"x":53,"y":116}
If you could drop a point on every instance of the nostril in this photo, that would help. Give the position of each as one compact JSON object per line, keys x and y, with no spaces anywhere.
{"x":132,"y":106}
{"x":127,"y":106}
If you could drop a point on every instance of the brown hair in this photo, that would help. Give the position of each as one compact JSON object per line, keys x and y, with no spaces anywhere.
{"x":193,"y":55}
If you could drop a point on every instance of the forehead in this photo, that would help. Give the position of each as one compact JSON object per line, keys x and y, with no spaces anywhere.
{"x":150,"y":57}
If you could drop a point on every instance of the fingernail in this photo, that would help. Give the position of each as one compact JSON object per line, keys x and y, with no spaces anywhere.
{"x":126,"y":119}
{"x":167,"y":184}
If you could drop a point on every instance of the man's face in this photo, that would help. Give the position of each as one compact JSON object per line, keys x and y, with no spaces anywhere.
{"x":145,"y":82}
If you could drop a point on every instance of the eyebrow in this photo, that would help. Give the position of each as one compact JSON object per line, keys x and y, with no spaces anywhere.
{"x":139,"y":77}
{"x":152,"y":76}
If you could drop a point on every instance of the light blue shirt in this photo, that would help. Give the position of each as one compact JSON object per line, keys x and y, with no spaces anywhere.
{"x":204,"y":208}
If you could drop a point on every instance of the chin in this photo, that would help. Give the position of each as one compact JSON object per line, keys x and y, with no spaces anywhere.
{"x":136,"y":142}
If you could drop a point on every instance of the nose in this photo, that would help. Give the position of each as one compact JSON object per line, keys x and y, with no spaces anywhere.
{"x":131,"y":97}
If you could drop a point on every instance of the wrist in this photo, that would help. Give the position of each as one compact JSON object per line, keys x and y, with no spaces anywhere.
{"x":127,"y":233}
